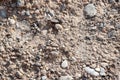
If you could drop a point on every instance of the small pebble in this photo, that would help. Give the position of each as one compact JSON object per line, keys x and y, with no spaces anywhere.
{"x":65,"y":78}
{"x":90,"y":10}
{"x":44,"y":78}
{"x":3,"y":12}
{"x":102,"y":72}
{"x":102,"y":25}
{"x":44,"y":32}
{"x":11,"y":21}
{"x":18,"y":74}
{"x":20,"y":3}
{"x":37,"y":11}
{"x":91,"y":71}
{"x":117,"y":26}
{"x":55,"y":53}
{"x":64,"y":64}
{"x":111,"y":1}
{"x":100,"y":38}
{"x":58,"y":27}
{"x":54,"y":21}
{"x":27,"y":13}
{"x":97,"y":69}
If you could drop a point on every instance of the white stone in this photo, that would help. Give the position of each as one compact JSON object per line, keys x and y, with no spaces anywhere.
{"x":44,"y":78}
{"x":11,"y":21}
{"x":66,"y":78}
{"x":91,"y":71}
{"x":64,"y":64}
{"x":97,"y":69}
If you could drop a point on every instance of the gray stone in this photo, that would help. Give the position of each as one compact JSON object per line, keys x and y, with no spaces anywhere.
{"x":111,"y":1}
{"x":3,"y":12}
{"x":65,"y":78}
{"x":64,"y":64}
{"x":102,"y":72}
{"x":117,"y":26}
{"x":91,"y":71}
{"x":20,"y":3}
{"x":27,"y":13}
{"x":90,"y":10}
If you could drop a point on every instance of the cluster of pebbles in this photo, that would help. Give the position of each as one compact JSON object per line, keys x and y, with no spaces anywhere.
{"x":60,"y":40}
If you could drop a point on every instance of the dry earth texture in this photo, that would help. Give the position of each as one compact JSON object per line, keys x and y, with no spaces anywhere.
{"x":59,"y":39}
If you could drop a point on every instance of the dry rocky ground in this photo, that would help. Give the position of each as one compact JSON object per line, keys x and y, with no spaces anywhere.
{"x":60,"y":40}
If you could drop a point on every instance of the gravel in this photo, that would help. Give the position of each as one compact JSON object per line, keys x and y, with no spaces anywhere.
{"x":59,"y":40}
